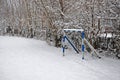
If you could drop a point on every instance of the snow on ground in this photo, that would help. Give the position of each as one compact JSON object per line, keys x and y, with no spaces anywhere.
{"x":28,"y":59}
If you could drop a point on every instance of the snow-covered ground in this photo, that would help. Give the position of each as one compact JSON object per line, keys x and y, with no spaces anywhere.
{"x":28,"y":59}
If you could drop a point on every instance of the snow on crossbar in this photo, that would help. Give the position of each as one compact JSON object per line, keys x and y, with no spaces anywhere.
{"x":76,"y":30}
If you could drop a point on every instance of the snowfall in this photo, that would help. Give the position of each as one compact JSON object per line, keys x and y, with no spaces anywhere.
{"x":30,"y":59}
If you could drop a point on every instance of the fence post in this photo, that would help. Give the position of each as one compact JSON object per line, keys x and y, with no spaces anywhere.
{"x":83,"y":47}
{"x":64,"y":45}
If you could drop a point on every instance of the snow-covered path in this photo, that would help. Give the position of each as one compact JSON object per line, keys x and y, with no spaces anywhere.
{"x":28,"y":59}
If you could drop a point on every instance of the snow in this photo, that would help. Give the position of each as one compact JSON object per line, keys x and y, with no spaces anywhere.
{"x":29,"y":59}
{"x":109,"y":35}
{"x":74,"y":30}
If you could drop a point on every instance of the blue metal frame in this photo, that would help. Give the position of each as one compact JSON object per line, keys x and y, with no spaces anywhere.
{"x":82,"y":45}
{"x":71,"y":44}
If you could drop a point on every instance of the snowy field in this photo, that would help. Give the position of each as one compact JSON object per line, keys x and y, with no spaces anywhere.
{"x":29,"y":59}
